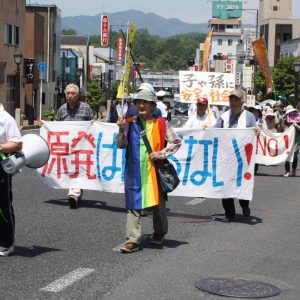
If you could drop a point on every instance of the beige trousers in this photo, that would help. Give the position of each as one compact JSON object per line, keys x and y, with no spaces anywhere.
{"x":134,"y":227}
{"x":77,"y":193}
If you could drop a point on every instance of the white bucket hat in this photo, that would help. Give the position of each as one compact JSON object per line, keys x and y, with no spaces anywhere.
{"x":270,"y":112}
{"x":289,"y":109}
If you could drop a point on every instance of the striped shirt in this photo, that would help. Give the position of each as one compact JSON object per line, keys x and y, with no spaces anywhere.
{"x":81,"y":112}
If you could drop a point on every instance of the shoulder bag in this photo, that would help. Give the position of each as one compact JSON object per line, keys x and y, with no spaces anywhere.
{"x":165,"y":172}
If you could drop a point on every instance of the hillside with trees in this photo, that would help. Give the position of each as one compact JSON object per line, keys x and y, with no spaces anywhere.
{"x":158,"y":54}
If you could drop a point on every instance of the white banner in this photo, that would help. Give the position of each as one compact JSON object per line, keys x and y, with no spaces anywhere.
{"x":211,"y":85}
{"x":275,"y":148}
{"x":213,"y":163}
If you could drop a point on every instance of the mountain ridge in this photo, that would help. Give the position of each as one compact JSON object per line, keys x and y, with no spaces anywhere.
{"x":155,"y":24}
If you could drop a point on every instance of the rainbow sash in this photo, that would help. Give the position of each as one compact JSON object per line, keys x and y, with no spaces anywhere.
{"x":141,"y":187}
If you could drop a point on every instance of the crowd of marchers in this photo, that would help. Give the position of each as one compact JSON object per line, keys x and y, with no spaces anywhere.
{"x":146,"y":118}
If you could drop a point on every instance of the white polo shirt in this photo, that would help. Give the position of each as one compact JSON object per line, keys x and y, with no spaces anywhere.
{"x":195,"y":121}
{"x":9,"y":131}
{"x":163,"y":108}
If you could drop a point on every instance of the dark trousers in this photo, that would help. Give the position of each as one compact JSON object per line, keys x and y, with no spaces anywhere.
{"x":228,"y":205}
{"x":294,"y":163}
{"x":7,"y":217}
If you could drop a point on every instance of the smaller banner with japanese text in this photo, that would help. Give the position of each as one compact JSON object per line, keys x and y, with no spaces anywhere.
{"x":211,"y":85}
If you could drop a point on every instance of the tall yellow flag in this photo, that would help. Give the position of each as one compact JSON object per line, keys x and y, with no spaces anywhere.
{"x":123,"y":88}
{"x":206,"y":52}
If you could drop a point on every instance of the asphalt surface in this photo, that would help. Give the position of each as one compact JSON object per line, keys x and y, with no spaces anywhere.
{"x":70,"y":254}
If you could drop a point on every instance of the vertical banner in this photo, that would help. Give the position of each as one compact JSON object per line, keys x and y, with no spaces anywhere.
{"x":120,"y":48}
{"x":29,"y":69}
{"x":206,"y":52}
{"x":104,"y":30}
{"x":124,"y":83}
{"x":261,"y":57}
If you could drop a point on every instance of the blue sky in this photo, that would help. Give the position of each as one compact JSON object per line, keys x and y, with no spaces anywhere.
{"x":190,"y":11}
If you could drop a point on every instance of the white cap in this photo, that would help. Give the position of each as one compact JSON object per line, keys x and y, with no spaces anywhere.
{"x":257,"y":107}
{"x":160,"y":93}
{"x":146,"y":86}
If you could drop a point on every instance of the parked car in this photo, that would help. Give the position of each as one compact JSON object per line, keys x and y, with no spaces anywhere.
{"x":181,"y":108}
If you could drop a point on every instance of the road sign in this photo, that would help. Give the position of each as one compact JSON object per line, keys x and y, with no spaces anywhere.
{"x":42,"y":66}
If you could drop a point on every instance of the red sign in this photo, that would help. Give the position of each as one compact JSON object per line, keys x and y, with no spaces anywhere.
{"x":104,"y":30}
{"x":120,"y":48}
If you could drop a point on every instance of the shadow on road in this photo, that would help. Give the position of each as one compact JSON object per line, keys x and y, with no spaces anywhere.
{"x":167,"y":243}
{"x":252,"y":220}
{"x":32,"y":251}
{"x":88,"y":204}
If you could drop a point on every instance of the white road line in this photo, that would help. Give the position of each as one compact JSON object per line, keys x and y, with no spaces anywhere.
{"x":67,"y":280}
{"x":196,"y":201}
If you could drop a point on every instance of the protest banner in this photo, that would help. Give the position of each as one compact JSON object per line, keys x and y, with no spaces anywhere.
{"x":213,"y":163}
{"x":275,"y":148}
{"x":293,"y":117}
{"x":211,"y":85}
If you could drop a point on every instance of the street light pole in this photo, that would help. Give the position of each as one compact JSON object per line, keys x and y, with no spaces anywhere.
{"x":18,"y":59}
{"x":110,"y":62}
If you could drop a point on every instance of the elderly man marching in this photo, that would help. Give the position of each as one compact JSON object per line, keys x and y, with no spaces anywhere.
{"x":74,"y":110}
{"x":142,"y":188}
{"x":235,"y":117}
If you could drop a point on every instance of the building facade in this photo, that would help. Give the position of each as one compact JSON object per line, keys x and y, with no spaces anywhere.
{"x":277,"y":26}
{"x":12,"y":20}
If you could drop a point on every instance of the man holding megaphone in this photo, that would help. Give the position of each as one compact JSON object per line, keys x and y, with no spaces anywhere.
{"x":10,"y":141}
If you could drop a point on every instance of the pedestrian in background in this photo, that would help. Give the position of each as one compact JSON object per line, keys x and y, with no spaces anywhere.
{"x":141,"y":185}
{"x":74,"y":110}
{"x":10,"y":141}
{"x":286,"y":124}
{"x":235,"y":117}
{"x":203,"y":118}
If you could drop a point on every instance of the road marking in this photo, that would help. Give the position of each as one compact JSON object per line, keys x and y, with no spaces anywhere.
{"x":67,"y":280}
{"x":196,"y":201}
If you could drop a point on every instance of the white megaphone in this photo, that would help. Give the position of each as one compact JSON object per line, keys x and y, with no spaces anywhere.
{"x":34,"y":154}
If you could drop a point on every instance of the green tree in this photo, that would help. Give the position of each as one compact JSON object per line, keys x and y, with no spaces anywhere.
{"x":95,"y":96}
{"x":283,"y":75}
{"x":68,"y":32}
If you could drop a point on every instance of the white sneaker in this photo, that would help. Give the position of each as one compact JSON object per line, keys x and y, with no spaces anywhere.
{"x":6,"y":251}
{"x":286,"y":174}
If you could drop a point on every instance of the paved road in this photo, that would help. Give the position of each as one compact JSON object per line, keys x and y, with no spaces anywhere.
{"x":69,"y":254}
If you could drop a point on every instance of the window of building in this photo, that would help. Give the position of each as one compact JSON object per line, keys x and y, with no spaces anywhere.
{"x":229,"y":42}
{"x":275,"y":8}
{"x":220,"y":42}
{"x":11,"y":34}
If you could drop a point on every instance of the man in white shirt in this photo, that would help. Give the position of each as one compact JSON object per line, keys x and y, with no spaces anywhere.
{"x":160,"y":105}
{"x":202,"y":119}
{"x":10,"y":142}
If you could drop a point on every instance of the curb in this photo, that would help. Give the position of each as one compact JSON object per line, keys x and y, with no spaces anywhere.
{"x":29,"y":127}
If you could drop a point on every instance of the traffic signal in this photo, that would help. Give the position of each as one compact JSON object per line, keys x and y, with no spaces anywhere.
{"x":191,"y":62}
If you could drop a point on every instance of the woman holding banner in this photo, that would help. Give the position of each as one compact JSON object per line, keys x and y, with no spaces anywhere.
{"x":142,"y":189}
{"x":290,"y":119}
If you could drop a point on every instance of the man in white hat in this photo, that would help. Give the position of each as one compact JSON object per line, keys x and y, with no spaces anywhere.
{"x":160,"y":105}
{"x":235,"y":117}
{"x":270,"y":122}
